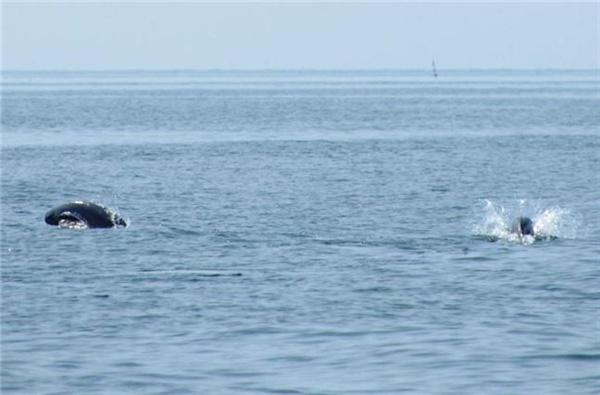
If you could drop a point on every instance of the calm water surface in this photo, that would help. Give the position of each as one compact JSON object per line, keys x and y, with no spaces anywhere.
{"x":302,"y":232}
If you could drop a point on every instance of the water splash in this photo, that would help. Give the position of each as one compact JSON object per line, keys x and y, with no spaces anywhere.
{"x":549,"y":223}
{"x":69,"y":224}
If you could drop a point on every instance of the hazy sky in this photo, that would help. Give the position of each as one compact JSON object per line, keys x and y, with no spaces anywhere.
{"x":154,"y":35}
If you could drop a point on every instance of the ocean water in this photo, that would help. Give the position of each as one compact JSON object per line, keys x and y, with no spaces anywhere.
{"x":302,"y":232}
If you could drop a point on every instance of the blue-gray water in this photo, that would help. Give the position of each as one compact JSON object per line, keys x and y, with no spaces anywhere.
{"x":302,"y":232}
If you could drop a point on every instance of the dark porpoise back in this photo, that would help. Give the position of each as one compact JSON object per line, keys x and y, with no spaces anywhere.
{"x":94,"y":215}
{"x":523,"y":226}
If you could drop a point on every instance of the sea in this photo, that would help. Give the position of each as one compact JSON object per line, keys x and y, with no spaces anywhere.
{"x":317,"y":232}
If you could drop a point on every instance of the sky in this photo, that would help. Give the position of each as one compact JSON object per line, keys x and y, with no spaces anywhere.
{"x":299,"y":35}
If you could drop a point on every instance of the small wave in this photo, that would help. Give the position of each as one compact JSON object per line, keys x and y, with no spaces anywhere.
{"x":549,"y":223}
{"x":593,"y":357}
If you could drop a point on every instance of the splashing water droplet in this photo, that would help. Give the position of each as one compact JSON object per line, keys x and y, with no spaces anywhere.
{"x":549,"y":223}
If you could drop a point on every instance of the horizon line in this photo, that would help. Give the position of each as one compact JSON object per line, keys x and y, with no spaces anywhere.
{"x":307,"y":69}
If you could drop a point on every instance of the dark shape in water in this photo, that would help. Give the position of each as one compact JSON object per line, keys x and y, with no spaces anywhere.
{"x":522,"y":226}
{"x":84,"y":214}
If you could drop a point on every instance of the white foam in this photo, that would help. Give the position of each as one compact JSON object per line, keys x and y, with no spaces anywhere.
{"x":549,"y":223}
